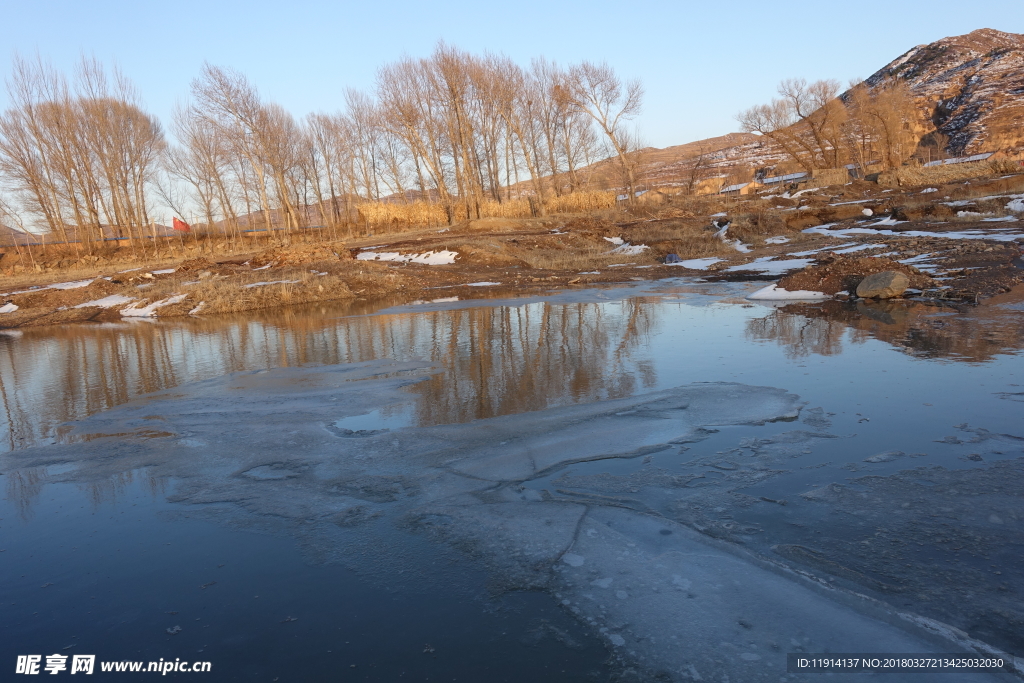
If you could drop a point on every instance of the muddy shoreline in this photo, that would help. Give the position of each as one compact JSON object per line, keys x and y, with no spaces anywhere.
{"x":960,"y":243}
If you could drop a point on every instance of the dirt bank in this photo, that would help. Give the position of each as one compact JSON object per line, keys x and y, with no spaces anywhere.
{"x":959,"y":242}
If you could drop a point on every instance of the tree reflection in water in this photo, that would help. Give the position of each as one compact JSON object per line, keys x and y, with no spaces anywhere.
{"x":973,"y":334}
{"x":496,"y":359}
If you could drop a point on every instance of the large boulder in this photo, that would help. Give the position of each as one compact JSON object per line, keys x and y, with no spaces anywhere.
{"x":884,"y":285}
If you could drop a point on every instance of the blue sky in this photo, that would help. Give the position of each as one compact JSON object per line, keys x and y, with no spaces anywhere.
{"x":701,"y":62}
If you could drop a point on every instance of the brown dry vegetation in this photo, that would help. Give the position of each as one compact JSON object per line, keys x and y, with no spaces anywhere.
{"x":522,"y":253}
{"x":391,"y":216}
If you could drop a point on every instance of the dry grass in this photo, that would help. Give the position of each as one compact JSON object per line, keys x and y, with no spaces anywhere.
{"x":687,"y":239}
{"x":581,"y":202}
{"x":580,"y":258}
{"x":308,"y":283}
{"x":377,"y":214}
{"x":1006,"y":166}
{"x":913,"y":176}
{"x":689,"y":207}
{"x":291,"y":285}
{"x":755,"y":226}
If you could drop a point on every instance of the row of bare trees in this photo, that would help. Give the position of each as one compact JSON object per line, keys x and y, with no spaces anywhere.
{"x":78,"y":154}
{"x":82,"y":159}
{"x":818,"y":127}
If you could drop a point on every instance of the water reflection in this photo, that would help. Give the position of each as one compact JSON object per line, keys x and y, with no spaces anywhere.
{"x":24,"y":485}
{"x":498,"y":360}
{"x":923,"y":329}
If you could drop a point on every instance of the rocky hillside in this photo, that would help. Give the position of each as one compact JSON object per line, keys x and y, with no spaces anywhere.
{"x":972,"y":86}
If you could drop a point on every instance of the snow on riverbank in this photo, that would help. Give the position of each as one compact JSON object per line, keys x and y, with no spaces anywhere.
{"x":768,"y":266}
{"x":999,"y":235}
{"x":776,"y":293}
{"x":430,"y":258}
{"x":108,"y":301}
{"x":149,"y":310}
{"x":697,"y":263}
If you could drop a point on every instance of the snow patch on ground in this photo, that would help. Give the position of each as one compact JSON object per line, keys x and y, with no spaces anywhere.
{"x":859,"y":247}
{"x":960,"y":235}
{"x":617,"y":241}
{"x":275,"y":282}
{"x":430,"y":258}
{"x":149,"y":310}
{"x":72,"y":285}
{"x":778,"y":239}
{"x":815,"y":251}
{"x":8,"y":308}
{"x":735,"y":244}
{"x":108,"y":301}
{"x":628,"y":249}
{"x":482,"y":284}
{"x":766,"y":265}
{"x":697,"y":263}
{"x":776,"y":293}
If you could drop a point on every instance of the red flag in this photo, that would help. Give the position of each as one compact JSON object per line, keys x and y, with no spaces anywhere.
{"x":181,"y":225}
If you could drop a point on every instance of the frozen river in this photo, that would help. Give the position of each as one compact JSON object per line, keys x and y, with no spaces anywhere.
{"x":656,"y":482}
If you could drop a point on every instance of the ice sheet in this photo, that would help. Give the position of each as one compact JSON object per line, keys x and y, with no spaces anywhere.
{"x":263,"y":448}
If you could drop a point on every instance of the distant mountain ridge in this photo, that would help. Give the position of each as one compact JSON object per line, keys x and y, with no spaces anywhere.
{"x":969,"y":87}
{"x":972,"y":86}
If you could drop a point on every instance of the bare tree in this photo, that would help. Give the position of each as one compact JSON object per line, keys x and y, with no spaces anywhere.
{"x":805,"y":122}
{"x":886,"y":114}
{"x":79,"y":155}
{"x":595,"y":90}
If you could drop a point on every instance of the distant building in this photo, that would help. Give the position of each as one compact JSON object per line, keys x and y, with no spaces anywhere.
{"x":959,"y":160}
{"x":742,"y":188}
{"x":709,"y":185}
{"x":786,"y":179}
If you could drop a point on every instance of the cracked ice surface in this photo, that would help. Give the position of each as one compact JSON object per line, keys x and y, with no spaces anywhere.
{"x":265,"y":445}
{"x":679,"y":604}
